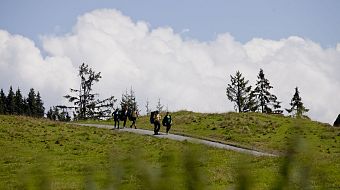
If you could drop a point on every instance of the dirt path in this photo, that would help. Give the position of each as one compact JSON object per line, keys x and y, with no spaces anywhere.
{"x":183,"y":138}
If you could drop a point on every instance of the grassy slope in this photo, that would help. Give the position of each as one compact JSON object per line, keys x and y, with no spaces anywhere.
{"x":270,"y":133}
{"x":37,"y":152}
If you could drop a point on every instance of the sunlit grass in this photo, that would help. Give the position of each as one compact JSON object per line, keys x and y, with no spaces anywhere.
{"x":40,"y":154}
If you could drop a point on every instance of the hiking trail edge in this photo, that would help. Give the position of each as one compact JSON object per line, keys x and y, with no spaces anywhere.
{"x":182,"y":138}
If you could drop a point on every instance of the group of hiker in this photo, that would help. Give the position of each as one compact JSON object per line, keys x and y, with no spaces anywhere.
{"x":132,"y":114}
{"x":123,"y":115}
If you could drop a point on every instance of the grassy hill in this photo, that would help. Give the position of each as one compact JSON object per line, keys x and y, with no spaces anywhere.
{"x":270,"y":133}
{"x":37,"y":153}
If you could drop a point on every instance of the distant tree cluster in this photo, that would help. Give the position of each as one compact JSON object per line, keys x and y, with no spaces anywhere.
{"x":16,"y":104}
{"x":260,"y":99}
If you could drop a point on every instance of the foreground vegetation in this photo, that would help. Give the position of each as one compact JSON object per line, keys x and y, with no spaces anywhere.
{"x":41,"y":154}
{"x":270,"y":133}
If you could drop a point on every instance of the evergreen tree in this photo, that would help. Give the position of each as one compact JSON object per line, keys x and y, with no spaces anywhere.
{"x":159,"y":106}
{"x":40,"y":106}
{"x":85,"y":104}
{"x":49,"y":114}
{"x":240,"y":93}
{"x":129,"y":101}
{"x":2,"y":102}
{"x":19,"y":107}
{"x":297,"y":108}
{"x":10,"y":104}
{"x":147,"y":106}
{"x":265,"y":101}
{"x":124,"y":102}
{"x":32,"y":103}
{"x":26,"y":107}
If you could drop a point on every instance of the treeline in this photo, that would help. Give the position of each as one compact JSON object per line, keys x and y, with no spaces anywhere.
{"x":17,"y":104}
{"x":260,"y":99}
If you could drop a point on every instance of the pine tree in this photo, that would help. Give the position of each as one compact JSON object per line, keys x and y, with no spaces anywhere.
{"x":265,"y":101}
{"x":40,"y":106}
{"x":240,"y":93}
{"x":19,"y":103}
{"x":297,"y":108}
{"x":10,"y":104}
{"x":31,"y":103}
{"x":2,"y":102}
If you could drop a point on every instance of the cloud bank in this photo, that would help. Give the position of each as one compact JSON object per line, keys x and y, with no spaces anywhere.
{"x":159,"y":63}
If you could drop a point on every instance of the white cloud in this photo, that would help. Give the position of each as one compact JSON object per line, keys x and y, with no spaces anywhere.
{"x":185,"y":74}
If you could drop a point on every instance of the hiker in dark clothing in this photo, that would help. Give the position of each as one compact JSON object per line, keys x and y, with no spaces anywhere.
{"x":124,"y":116}
{"x":134,"y":116}
{"x":167,"y":122}
{"x":116,"y":118}
{"x":157,"y":122}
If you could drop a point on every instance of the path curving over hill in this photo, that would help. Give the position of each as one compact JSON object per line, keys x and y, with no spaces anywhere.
{"x":183,"y":138}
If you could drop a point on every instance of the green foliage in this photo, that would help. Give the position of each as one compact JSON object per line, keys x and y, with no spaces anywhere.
{"x":2,"y":102}
{"x":128,"y":100}
{"x":240,"y":93}
{"x":266,"y":102}
{"x":10,"y":103}
{"x":16,"y":104}
{"x":19,"y":104}
{"x":297,"y":108}
{"x":55,"y":114}
{"x":85,"y":104}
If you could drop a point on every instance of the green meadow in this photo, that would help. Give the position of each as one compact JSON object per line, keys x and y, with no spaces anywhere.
{"x":41,"y":154}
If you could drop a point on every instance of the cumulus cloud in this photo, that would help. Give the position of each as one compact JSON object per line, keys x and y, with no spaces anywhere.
{"x":159,"y":63}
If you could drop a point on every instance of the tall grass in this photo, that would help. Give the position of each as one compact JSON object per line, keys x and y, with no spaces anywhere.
{"x":105,"y":159}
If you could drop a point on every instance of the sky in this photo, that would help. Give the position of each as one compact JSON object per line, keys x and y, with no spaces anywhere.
{"x":182,"y":53}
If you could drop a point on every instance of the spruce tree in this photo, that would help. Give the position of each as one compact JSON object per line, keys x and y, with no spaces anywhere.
{"x":240,"y":93}
{"x":31,"y":103}
{"x":26,"y":107}
{"x":40,"y":106}
{"x":19,"y":103}
{"x":2,"y":102}
{"x":147,"y":106}
{"x":85,"y":104}
{"x":128,"y":100}
{"x":297,"y":108}
{"x":159,"y":106}
{"x":265,"y":101}
{"x":10,"y":104}
{"x":49,"y":114}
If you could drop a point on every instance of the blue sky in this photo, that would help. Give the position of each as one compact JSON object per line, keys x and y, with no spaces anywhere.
{"x":191,"y":47}
{"x":310,"y":19}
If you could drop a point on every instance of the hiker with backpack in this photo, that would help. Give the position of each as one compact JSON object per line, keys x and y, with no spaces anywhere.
{"x":116,"y":118}
{"x":155,"y":119}
{"x":133,"y":118}
{"x":167,"y":122}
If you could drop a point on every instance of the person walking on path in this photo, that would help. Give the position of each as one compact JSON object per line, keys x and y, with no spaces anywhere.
{"x":134,"y":116}
{"x":157,"y":122}
{"x":167,"y":122}
{"x":116,"y":118}
{"x":124,"y":116}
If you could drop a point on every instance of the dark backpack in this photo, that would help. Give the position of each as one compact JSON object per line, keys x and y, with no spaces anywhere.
{"x":166,"y":121}
{"x":152,"y":117}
